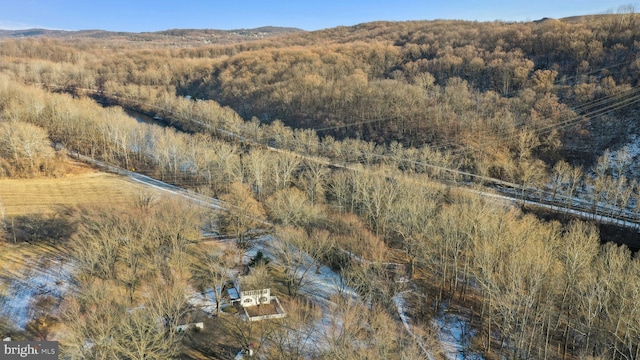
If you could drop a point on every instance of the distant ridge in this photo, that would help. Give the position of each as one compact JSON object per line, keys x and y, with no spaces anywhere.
{"x":204,"y":35}
{"x":36,"y":32}
{"x":264,"y":30}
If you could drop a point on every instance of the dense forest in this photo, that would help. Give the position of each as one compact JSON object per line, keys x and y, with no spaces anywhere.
{"x":370,"y":130}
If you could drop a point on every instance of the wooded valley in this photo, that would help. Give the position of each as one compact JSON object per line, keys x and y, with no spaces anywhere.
{"x":351,"y":148}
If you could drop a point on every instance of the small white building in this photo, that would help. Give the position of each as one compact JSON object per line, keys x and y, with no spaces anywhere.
{"x":255,"y":297}
{"x":259,"y":304}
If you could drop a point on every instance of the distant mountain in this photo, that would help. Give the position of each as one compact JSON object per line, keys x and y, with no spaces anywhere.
{"x":182,"y":35}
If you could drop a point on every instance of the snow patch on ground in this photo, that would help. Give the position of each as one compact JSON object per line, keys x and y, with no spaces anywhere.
{"x":205,"y":302}
{"x":321,"y":287}
{"x":455,"y":336}
{"x":53,"y":278}
{"x":400,"y":305}
{"x":322,"y":282}
{"x":632,"y":148}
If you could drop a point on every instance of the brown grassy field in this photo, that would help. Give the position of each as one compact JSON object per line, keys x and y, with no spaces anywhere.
{"x":31,"y":268}
{"x":82,"y":185}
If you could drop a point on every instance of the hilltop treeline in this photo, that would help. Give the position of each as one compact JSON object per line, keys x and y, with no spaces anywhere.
{"x":452,"y":84}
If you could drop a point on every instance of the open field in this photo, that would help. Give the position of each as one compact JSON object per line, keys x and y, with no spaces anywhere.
{"x":83,"y":185}
{"x":37,"y":268}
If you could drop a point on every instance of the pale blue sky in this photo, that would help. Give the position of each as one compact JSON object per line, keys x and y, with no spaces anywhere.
{"x":153,"y":15}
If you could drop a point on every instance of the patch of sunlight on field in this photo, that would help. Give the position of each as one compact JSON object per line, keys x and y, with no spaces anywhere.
{"x":45,"y":195}
{"x":13,"y":257}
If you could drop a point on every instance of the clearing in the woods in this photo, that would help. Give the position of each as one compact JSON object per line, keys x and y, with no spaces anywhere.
{"x":81,"y":186}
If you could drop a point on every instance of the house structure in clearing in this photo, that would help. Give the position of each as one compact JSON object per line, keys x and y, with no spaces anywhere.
{"x":257,"y":304}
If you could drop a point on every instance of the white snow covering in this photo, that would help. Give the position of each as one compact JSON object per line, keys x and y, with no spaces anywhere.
{"x":632,"y":148}
{"x":400,"y":305}
{"x":454,"y":333}
{"x":455,"y":336}
{"x":205,"y":302}
{"x":324,"y":283}
{"x":53,"y":279}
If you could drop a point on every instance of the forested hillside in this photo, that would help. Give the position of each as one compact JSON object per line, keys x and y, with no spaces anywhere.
{"x":351,"y":146}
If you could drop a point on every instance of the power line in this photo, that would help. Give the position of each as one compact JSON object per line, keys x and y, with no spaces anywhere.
{"x":593,"y":104}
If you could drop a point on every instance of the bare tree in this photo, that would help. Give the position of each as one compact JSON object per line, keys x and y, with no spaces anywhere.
{"x":91,"y":320}
{"x":297,"y":334}
{"x":244,"y":215}
{"x":118,"y":129}
{"x":134,"y":265}
{"x":297,"y":264}
{"x":412,"y":222}
{"x":291,"y":206}
{"x":286,"y":165}
{"x":312,"y":180}
{"x":306,"y":141}
{"x":26,"y":144}
{"x":96,"y":245}
{"x":167,"y":301}
{"x":258,"y":164}
{"x":213,"y":270}
{"x":377,"y":193}
{"x":139,"y":336}
{"x":342,"y":190}
{"x":254,"y":335}
{"x":359,"y":331}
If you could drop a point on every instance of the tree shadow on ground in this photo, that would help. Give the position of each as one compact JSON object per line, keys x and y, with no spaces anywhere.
{"x":199,"y":344}
{"x":34,"y":228}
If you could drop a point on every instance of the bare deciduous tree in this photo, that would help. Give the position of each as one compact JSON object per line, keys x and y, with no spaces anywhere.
{"x":244,"y":215}
{"x":291,"y":206}
{"x":27,"y":145}
{"x":296,"y":262}
{"x":213,"y":270}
